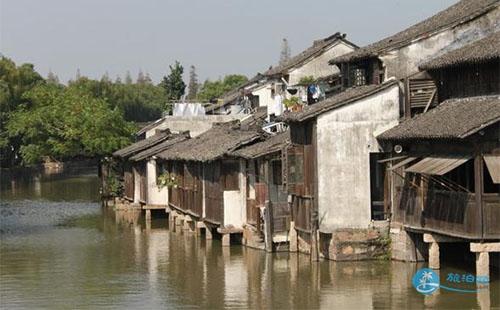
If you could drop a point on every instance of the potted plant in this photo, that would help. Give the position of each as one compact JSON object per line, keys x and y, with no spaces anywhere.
{"x":293,"y":103}
{"x":166,"y":179}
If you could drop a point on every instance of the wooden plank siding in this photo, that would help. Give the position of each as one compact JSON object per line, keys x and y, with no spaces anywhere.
{"x":214,"y":198}
{"x":301,"y":177}
{"x":128,"y":191}
{"x":187,"y":196}
{"x":143,"y":182}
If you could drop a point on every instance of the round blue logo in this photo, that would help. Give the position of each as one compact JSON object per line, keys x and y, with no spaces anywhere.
{"x":425,"y":281}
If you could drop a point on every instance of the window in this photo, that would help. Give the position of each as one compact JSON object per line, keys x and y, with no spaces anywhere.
{"x":359,"y":76}
{"x":230,"y":175}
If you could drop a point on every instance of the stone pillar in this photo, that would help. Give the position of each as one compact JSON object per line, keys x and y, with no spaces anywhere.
{"x":293,"y":238}
{"x":198,"y":226}
{"x":186,"y":223}
{"x":483,"y":258}
{"x":178,"y":220}
{"x":148,"y":215}
{"x":483,"y":264}
{"x":314,"y":246}
{"x":226,"y":239}
{"x":434,"y":255}
{"x":171,"y":219}
{"x":208,"y":233}
{"x":434,"y":248}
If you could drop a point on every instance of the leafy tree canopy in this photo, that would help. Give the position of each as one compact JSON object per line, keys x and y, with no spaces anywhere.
{"x":211,"y":90}
{"x":173,"y":84}
{"x":62,"y":123}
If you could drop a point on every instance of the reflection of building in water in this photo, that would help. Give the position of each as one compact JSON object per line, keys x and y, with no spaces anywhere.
{"x":235,"y":282}
{"x":158,"y":253}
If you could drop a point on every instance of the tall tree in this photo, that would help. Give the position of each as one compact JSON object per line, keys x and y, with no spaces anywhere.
{"x":193,"y":84}
{"x":105,"y":77}
{"x":128,"y":78}
{"x":173,"y":84}
{"x":52,"y":78}
{"x":78,"y":75}
{"x":147,"y":79}
{"x":141,"y":79}
{"x":285,"y":51}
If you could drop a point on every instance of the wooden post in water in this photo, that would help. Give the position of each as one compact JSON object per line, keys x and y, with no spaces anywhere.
{"x":268,"y":223}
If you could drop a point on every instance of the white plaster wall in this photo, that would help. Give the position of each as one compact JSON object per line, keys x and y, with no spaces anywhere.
{"x":264,"y":93}
{"x":346,"y":136}
{"x":235,"y":203}
{"x":137,"y":184}
{"x":405,"y":61}
{"x":195,"y":124}
{"x":318,"y":66}
{"x":156,"y":196}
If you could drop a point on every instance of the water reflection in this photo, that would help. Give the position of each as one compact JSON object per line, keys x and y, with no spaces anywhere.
{"x":75,"y":254}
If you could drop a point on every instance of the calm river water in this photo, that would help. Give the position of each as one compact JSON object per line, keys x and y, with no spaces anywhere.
{"x":60,"y":249}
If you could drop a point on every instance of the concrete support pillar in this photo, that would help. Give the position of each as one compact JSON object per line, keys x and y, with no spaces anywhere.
{"x":197,"y":228}
{"x":208,"y":234}
{"x":226,"y":239}
{"x":314,"y":246}
{"x":483,"y":264}
{"x":171,"y":219}
{"x":434,"y":255}
{"x":293,"y":238}
{"x":148,"y":219}
{"x":482,"y":251}
{"x":186,"y":224}
{"x":178,"y":221}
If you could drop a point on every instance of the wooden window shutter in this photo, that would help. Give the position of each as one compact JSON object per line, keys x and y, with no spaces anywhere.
{"x":422,"y":94}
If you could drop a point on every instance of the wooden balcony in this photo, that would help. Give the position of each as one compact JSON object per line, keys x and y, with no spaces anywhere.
{"x":450,"y":213}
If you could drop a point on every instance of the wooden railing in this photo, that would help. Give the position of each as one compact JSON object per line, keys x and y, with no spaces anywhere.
{"x":448,"y":212}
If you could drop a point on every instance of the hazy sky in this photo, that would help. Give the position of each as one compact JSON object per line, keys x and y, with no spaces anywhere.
{"x":217,"y":36}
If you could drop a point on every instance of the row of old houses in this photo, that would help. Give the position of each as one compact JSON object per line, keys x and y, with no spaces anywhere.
{"x":394,"y":148}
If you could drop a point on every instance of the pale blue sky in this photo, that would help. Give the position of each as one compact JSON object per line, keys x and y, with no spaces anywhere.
{"x":217,"y":36}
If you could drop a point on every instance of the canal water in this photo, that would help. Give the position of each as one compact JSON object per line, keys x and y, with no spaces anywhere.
{"x":60,"y":249}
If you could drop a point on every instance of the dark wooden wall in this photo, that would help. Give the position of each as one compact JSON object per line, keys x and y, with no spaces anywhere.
{"x":468,"y":81}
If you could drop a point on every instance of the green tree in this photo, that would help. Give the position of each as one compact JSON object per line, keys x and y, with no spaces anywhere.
{"x":193,"y":84}
{"x":173,"y":84}
{"x":128,"y":78}
{"x":211,"y":90}
{"x":64,"y":123}
{"x":15,"y":81}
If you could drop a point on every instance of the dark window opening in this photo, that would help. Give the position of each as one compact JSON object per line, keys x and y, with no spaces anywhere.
{"x":230,"y":175}
{"x":377,"y":186}
{"x":489,"y":186}
{"x":460,"y":178}
{"x":277,"y":176}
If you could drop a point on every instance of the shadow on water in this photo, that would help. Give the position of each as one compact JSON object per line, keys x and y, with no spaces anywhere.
{"x":58,"y":252}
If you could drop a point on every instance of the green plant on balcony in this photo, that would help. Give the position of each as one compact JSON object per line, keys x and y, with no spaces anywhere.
{"x":166,"y":180}
{"x":293,"y":103}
